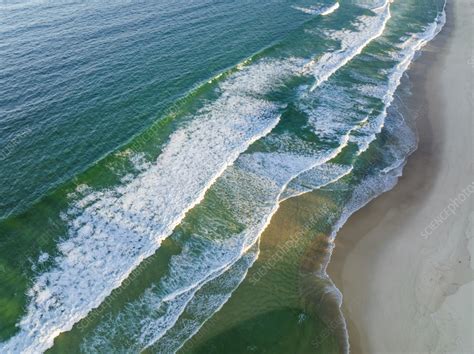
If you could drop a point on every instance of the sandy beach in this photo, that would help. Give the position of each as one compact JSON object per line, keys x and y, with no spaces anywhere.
{"x":404,"y":262}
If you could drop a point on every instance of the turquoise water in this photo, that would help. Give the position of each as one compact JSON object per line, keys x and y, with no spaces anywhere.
{"x":150,"y":143}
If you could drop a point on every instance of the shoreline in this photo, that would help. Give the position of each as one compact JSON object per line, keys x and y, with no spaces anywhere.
{"x":398,"y":275}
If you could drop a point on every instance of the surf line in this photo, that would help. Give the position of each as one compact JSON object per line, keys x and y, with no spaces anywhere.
{"x":324,"y":68}
{"x":413,"y":45}
{"x":318,"y":11}
{"x":330,"y":9}
{"x":252,"y":238}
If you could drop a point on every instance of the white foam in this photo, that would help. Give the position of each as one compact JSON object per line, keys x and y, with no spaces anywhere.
{"x":205,"y":303}
{"x":315,"y":178}
{"x":404,"y":58}
{"x":351,"y":44}
{"x":158,"y":319}
{"x":330,"y":9}
{"x":369,"y":4}
{"x":112,"y":231}
{"x":318,"y":10}
{"x":324,"y":119}
{"x":276,"y":168}
{"x":264,"y":166}
{"x":387,"y":178}
{"x":270,"y":166}
{"x":250,"y":192}
{"x":334,"y":116}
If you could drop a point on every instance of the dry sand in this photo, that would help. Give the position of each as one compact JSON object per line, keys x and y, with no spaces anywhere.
{"x":403,"y":262}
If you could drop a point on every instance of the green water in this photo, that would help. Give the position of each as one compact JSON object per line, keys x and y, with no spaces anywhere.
{"x":146,"y":146}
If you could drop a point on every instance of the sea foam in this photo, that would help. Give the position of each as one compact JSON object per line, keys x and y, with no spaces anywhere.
{"x":318,"y":10}
{"x":112,"y":231}
{"x":351,"y":44}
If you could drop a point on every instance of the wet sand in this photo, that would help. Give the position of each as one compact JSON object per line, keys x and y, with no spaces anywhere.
{"x":403,"y":263}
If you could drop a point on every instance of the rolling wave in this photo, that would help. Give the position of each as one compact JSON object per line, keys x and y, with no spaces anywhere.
{"x":206,"y":162}
{"x":403,"y":143}
{"x":321,"y":175}
{"x":318,"y":10}
{"x":250,"y":191}
{"x":351,"y":44}
{"x":111,"y":232}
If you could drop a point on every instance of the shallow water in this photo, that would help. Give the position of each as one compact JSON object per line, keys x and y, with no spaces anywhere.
{"x":151,"y":144}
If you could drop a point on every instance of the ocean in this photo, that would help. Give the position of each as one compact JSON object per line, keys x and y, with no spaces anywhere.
{"x":146,"y":145}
